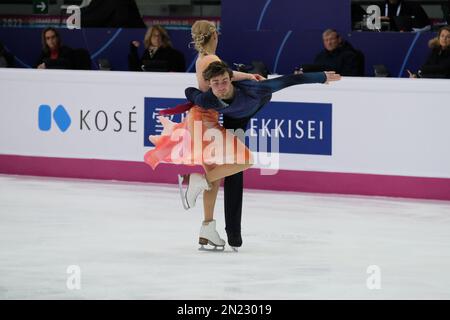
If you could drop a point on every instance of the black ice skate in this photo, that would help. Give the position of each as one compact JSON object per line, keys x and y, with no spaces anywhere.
{"x":234,"y":240}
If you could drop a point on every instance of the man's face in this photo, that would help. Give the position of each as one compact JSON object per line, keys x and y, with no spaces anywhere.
{"x":331,"y":41}
{"x":221,"y":86}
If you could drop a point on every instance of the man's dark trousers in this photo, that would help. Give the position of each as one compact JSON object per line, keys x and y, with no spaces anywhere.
{"x":233,"y":191}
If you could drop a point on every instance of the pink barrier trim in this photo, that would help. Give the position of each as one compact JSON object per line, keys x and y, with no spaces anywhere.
{"x":284,"y":180}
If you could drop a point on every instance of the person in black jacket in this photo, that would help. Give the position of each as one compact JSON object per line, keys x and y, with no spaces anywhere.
{"x":338,"y":55}
{"x":438,"y":62}
{"x":159,"y":55}
{"x":111,"y":14}
{"x":54,"y":55}
{"x":400,"y":8}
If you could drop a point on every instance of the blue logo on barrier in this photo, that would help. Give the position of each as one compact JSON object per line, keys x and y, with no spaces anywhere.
{"x":152,"y":106}
{"x":60,"y":116}
{"x":302,"y":128}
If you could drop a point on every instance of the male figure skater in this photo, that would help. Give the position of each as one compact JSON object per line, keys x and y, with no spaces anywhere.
{"x":239,"y":101}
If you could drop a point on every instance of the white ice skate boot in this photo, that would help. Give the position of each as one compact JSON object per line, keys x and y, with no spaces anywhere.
{"x":196,"y":184}
{"x":209,"y":235}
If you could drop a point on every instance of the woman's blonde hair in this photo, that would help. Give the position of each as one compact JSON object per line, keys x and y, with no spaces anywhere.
{"x":434,"y":43}
{"x":201,"y":32}
{"x":165,"y":39}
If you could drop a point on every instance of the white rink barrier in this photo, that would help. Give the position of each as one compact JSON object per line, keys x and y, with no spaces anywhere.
{"x":376,"y":136}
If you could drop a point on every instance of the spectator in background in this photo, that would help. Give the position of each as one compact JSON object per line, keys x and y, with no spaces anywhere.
{"x":54,"y":55}
{"x":6,"y":58}
{"x":159,"y":55}
{"x":111,"y":14}
{"x":339,"y":56}
{"x":446,"y":11}
{"x":400,"y":8}
{"x":438,"y":62}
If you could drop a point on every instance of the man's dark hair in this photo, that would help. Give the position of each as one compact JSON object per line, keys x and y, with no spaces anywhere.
{"x":215,"y":69}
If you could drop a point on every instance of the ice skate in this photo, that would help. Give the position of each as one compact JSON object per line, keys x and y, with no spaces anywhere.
{"x":210,"y":236}
{"x":196,"y":184}
{"x":234,"y":240}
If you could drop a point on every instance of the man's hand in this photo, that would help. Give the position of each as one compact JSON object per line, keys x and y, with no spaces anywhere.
{"x":255,"y":77}
{"x":332,"y":76}
{"x":136,"y":43}
{"x":259,"y":77}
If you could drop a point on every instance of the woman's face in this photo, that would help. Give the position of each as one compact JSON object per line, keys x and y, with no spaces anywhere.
{"x":444,"y":39}
{"x":51,"y":39}
{"x":156,"y":39}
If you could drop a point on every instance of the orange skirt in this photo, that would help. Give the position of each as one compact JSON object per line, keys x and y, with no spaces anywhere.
{"x":198,"y":140}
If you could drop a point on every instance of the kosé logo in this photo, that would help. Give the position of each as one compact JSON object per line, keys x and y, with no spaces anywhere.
{"x":60,"y":116}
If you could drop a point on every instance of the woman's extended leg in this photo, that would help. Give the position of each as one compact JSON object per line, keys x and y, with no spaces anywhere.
{"x":236,"y":159}
{"x":198,"y":183}
{"x":225,"y":170}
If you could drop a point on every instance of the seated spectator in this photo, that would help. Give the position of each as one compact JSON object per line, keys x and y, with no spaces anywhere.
{"x":111,"y":14}
{"x":404,"y":15}
{"x":159,"y":55}
{"x":338,"y":56}
{"x":6,"y":58}
{"x":438,"y":62}
{"x":54,"y":55}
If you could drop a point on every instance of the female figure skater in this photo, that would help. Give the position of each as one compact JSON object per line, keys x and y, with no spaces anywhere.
{"x":198,"y":121}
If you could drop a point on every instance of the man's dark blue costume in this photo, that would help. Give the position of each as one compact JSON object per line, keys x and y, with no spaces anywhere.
{"x":249,"y":97}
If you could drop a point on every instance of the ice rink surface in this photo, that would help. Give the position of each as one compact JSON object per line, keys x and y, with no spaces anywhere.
{"x":134,"y":241}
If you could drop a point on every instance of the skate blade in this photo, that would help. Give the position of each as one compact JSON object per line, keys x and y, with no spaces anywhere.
{"x":204,"y":242}
{"x":182,"y":195}
{"x":214,"y":249}
{"x":235,"y":249}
